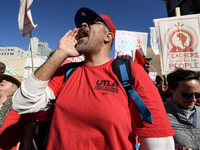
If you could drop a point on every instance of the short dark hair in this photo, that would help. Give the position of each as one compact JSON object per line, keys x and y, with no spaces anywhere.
{"x":2,"y":66}
{"x":180,"y":75}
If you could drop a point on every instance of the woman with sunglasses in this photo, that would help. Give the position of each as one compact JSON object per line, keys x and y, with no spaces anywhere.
{"x":13,"y":126}
{"x":182,"y":112}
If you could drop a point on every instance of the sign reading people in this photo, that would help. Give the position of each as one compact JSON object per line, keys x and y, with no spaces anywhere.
{"x":179,"y":42}
{"x":125,"y":44}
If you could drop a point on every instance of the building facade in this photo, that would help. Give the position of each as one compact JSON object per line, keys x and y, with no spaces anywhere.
{"x":186,"y":7}
{"x":12,"y":52}
{"x":39,"y":49}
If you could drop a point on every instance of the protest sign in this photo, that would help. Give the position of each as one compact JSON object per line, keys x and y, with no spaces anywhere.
{"x":125,"y":44}
{"x":141,"y":45}
{"x":179,"y":42}
{"x":25,"y":20}
{"x":154,"y":41}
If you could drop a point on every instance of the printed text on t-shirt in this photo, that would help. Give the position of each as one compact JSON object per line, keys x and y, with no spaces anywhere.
{"x":106,"y":85}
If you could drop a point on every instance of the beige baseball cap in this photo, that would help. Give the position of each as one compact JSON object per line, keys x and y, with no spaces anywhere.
{"x":16,"y":78}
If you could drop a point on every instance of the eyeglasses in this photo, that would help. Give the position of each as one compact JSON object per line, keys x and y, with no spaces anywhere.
{"x":189,"y":95}
{"x":94,"y":20}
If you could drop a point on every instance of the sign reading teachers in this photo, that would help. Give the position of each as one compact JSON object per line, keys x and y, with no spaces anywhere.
{"x":125,"y":44}
{"x":179,"y":42}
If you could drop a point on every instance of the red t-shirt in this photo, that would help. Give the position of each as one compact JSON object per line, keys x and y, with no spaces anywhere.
{"x":45,"y":114}
{"x":92,"y":110}
{"x":11,"y":128}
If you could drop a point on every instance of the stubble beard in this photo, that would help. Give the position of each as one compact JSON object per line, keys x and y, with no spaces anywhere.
{"x":81,"y":47}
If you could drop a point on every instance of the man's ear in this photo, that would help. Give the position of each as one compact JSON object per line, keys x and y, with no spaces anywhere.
{"x":108,"y":36}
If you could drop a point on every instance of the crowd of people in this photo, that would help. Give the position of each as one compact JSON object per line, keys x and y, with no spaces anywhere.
{"x":81,"y":114}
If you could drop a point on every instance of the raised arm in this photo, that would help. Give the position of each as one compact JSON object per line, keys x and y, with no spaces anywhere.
{"x":34,"y":93}
{"x":65,"y":49}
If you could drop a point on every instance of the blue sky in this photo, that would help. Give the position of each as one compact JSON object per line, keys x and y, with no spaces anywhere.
{"x":56,"y":17}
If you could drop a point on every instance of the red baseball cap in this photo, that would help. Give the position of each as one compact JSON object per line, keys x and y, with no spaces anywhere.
{"x":85,"y":13}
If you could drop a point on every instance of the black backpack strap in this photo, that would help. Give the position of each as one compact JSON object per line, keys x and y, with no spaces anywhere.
{"x":117,"y":63}
{"x":123,"y":71}
{"x":71,"y":69}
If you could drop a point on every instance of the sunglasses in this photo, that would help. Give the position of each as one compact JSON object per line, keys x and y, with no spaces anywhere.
{"x":94,"y":20}
{"x":189,"y":95}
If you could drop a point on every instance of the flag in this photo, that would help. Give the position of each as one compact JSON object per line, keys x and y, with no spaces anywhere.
{"x":25,"y":21}
{"x":179,"y":42}
{"x":139,"y":58}
{"x":154,"y":40}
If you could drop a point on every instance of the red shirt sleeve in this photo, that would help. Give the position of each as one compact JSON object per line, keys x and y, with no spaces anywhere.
{"x":148,"y":92}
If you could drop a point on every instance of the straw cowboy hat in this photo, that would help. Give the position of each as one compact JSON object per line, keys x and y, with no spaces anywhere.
{"x":15,"y":78}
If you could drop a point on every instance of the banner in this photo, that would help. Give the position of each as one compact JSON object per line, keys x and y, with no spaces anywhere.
{"x":10,"y":71}
{"x":25,"y":21}
{"x":179,"y":42}
{"x":125,"y":44}
{"x":74,"y":59}
{"x":154,"y":40}
{"x":141,"y":45}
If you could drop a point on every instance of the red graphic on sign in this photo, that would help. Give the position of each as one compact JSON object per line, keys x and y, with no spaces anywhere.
{"x":181,"y":38}
{"x":139,"y":43}
{"x":180,"y":45}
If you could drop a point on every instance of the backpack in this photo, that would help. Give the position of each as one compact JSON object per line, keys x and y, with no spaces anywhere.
{"x":123,"y":71}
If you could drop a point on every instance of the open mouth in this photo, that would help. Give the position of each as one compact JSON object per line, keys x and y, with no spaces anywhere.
{"x":82,"y":33}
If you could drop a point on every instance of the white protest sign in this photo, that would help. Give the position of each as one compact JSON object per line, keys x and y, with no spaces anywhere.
{"x":125,"y":44}
{"x":179,"y":42}
{"x":154,"y":41}
{"x":141,"y":42}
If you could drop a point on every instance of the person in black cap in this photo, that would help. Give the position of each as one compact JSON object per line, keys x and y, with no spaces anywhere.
{"x":92,"y":111}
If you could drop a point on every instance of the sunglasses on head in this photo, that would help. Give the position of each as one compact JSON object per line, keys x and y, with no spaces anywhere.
{"x":93,"y":20}
{"x":189,"y":95}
